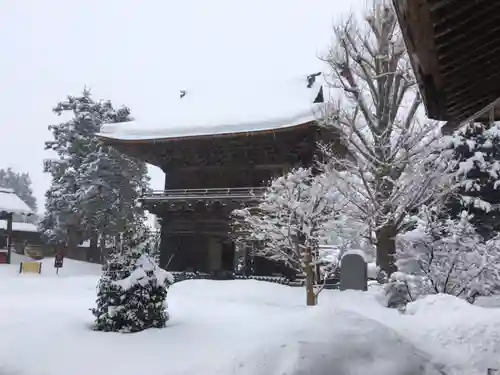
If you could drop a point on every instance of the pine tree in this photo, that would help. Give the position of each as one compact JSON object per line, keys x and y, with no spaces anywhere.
{"x":110,"y":184}
{"x":146,"y":291}
{"x":110,"y":296}
{"x":476,"y":148}
{"x":132,"y":293}
{"x":61,"y":222}
{"x":94,"y":188}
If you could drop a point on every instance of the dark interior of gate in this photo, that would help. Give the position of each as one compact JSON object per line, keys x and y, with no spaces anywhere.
{"x":209,"y":176}
{"x":454,"y":46}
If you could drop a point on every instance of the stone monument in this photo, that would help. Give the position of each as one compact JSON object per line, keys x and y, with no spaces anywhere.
{"x":353,"y":271}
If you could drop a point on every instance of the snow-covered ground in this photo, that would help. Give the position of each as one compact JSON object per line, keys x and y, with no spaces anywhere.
{"x":242,"y":327}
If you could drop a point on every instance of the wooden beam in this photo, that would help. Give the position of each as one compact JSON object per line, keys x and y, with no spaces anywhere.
{"x":462,"y":19}
{"x":471,"y":50}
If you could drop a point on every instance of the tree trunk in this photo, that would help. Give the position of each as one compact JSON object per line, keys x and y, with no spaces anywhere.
{"x":72,"y":242}
{"x":310,"y":295}
{"x":386,"y":248}
{"x":102,"y":248}
{"x":94,"y":251}
{"x":118,"y":243}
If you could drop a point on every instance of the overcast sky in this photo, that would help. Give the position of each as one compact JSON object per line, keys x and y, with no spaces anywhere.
{"x":132,"y":51}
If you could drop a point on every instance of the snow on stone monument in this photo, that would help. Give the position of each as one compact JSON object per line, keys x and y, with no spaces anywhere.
{"x":353,"y":271}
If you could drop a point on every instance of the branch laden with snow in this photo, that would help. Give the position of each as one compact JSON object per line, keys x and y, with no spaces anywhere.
{"x":476,"y":148}
{"x":298,"y":212}
{"x":392,"y":164}
{"x":449,"y":256}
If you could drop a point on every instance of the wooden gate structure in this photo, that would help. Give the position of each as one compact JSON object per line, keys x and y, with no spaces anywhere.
{"x":212,"y":170}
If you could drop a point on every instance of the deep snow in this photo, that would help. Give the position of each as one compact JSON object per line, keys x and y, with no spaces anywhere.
{"x":242,"y":327}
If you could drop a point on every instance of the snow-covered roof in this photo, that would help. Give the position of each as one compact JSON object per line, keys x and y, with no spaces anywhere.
{"x":19,"y":227}
{"x":226,"y":108}
{"x":11,"y":203}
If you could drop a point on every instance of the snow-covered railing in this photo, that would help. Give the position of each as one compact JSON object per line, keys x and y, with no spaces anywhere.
{"x":202,"y":194}
{"x":488,"y":114}
{"x":182,"y":276}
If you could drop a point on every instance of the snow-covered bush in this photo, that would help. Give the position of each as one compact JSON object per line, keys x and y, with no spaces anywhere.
{"x":131,"y":294}
{"x":145,"y":302}
{"x":401,"y":289}
{"x":442,"y":255}
{"x":118,"y":266}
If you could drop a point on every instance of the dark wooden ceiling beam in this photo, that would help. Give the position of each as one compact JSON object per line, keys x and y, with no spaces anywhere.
{"x":462,"y":19}
{"x":472,"y":84}
{"x":472,"y":65}
{"x":472,"y":47}
{"x":454,"y":70}
{"x":438,"y":5}
{"x":465,"y":109}
{"x":466,"y":37}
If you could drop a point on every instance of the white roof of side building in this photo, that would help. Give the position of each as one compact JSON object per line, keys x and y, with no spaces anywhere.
{"x":11,"y":203}
{"x":226,"y":108}
{"x":19,"y":227}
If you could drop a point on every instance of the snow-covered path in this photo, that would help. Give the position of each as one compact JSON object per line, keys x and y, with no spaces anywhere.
{"x":229,"y":327}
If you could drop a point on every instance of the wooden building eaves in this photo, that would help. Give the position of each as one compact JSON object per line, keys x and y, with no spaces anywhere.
{"x":454,"y":46}
{"x":110,"y":140}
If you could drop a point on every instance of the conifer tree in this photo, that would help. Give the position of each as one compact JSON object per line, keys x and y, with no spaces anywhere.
{"x":476,"y":148}
{"x":94,"y":188}
{"x":109,"y":311}
{"x":132,"y":293}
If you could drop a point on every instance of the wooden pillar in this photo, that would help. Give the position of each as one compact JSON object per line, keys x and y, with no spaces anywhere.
{"x":169,"y":246}
{"x":9,"y":237}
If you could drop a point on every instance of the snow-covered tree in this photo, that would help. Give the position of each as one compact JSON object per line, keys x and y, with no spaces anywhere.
{"x":391,"y":164}
{"x":61,"y":222}
{"x":109,"y":185}
{"x":145,"y":240}
{"x":21,"y":184}
{"x":298,"y":212}
{"x":110,"y":295}
{"x":132,"y":293}
{"x":94,"y":188}
{"x":444,"y":255}
{"x":476,"y":147}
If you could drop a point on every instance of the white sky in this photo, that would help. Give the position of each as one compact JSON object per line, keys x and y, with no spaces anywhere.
{"x":132,"y":52}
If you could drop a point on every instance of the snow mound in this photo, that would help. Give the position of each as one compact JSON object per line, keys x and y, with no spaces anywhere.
{"x":440,"y":304}
{"x":449,"y":322}
{"x":341,"y":348}
{"x":490,"y":301}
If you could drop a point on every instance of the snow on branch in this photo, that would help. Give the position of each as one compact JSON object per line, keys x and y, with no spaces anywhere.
{"x":299,"y":211}
{"x":449,"y":256}
{"x":393,"y":161}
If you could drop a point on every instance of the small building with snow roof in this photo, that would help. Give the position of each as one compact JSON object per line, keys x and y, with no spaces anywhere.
{"x":218,"y":148}
{"x":10,"y":202}
{"x":14,"y":229}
